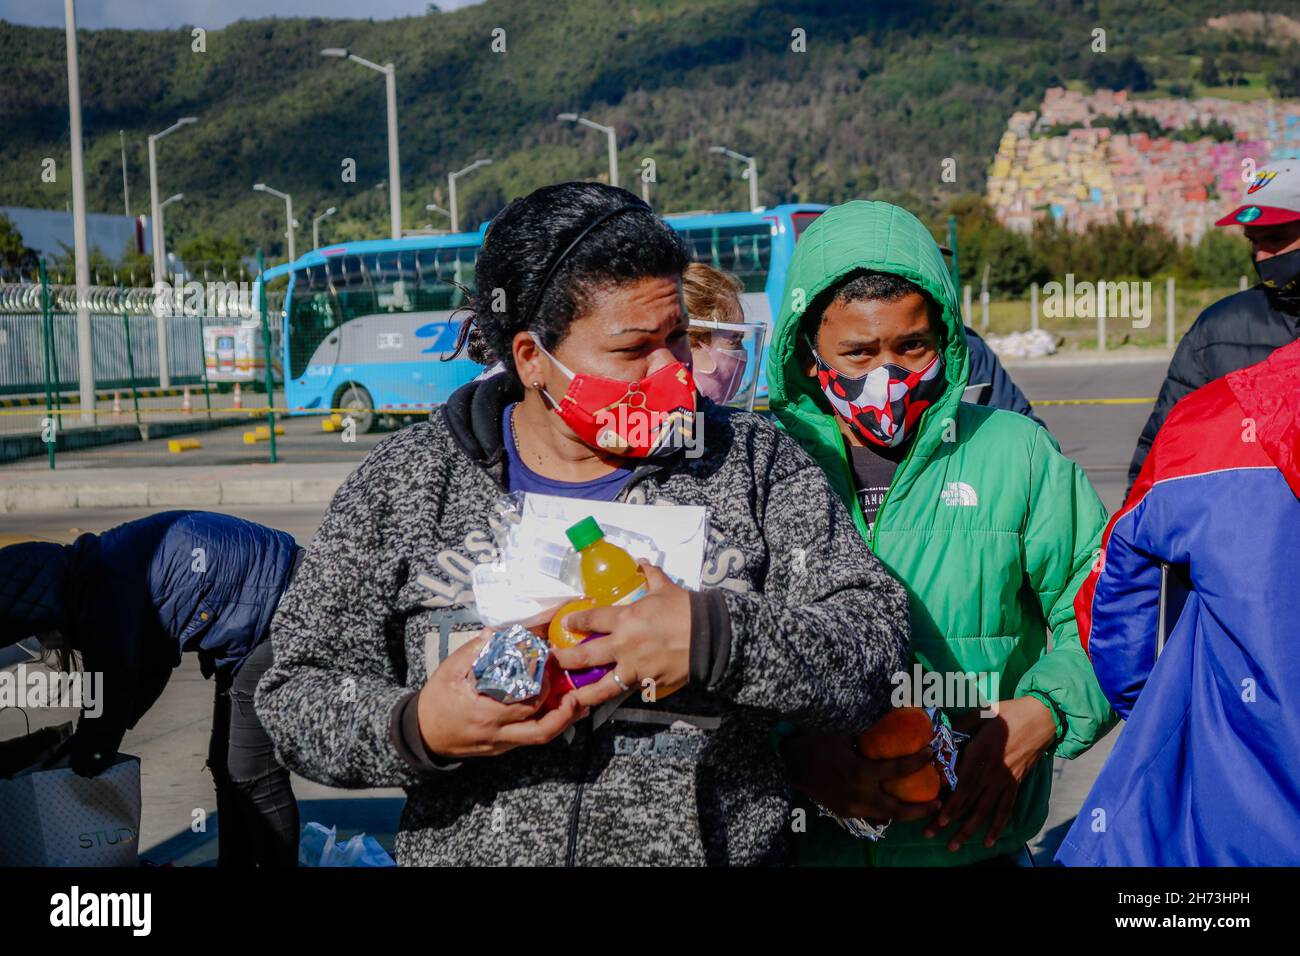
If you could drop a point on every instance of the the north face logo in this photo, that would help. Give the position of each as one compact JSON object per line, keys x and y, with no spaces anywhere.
{"x":959,"y":494}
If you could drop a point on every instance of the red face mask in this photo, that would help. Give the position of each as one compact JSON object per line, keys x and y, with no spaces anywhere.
{"x":648,"y":418}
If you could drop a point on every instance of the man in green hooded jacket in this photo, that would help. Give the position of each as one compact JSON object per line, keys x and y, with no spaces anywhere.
{"x":990,"y":528}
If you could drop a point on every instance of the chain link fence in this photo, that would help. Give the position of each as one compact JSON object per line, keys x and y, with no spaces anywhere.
{"x":218,"y":402}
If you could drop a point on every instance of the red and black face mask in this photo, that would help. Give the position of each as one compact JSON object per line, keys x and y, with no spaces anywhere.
{"x":884,"y":405}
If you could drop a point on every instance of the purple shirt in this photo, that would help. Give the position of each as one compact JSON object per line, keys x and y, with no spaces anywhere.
{"x":519,"y":477}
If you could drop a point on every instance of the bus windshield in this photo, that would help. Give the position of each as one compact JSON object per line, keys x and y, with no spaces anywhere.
{"x":745,"y":250}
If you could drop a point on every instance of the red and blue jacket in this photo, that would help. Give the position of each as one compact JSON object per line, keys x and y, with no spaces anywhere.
{"x":1207,"y":769}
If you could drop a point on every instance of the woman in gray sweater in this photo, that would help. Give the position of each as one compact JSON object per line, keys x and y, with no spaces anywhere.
{"x":578,"y":295}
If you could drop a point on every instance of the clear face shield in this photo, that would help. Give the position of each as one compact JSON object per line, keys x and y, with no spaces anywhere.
{"x":725,"y":360}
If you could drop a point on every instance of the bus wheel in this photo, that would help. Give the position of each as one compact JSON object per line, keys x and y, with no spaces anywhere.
{"x":360,"y":407}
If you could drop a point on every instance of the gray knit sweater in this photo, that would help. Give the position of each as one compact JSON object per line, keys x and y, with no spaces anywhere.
{"x":797,"y":621}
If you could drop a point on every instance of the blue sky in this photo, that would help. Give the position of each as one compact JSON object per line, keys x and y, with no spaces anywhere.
{"x":165,"y":14}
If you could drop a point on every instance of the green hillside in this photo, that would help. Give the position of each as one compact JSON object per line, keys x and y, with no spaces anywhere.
{"x":883,"y":93}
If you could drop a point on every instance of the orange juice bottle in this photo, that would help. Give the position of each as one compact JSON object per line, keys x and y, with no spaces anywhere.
{"x":609,"y":574}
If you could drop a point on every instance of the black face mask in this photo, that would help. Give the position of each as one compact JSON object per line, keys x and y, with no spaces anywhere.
{"x":1281,"y":274}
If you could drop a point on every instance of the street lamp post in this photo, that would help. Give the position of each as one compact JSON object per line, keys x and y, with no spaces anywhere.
{"x":451,"y":188}
{"x":288,"y":214}
{"x":315,"y":226}
{"x":155,"y":218}
{"x":394,"y":170}
{"x":610,"y":135}
{"x":162,"y":229}
{"x":85,"y":363}
{"x":750,"y":173}
{"x":434,"y":207}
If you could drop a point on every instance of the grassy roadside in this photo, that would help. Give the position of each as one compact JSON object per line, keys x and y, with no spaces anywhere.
{"x":1080,"y":334}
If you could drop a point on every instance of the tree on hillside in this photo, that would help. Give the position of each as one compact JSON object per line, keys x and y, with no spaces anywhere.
{"x":1119,"y":73}
{"x":213,"y":253}
{"x":133,"y":267}
{"x":1221,"y":258}
{"x":1286,"y":78}
{"x":64,"y":265}
{"x":1234,"y":71}
{"x":1209,"y":73}
{"x":14,"y":255}
{"x":982,"y":239}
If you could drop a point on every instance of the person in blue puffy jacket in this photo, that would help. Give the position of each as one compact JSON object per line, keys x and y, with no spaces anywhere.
{"x":128,"y":603}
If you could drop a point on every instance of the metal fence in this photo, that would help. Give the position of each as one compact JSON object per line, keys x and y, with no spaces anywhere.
{"x":46,"y":420}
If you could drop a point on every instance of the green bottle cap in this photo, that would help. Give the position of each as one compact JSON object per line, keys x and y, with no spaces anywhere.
{"x":585,"y":533}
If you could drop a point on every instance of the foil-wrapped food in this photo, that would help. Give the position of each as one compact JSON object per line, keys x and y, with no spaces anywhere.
{"x":942,"y":741}
{"x":511,"y":666}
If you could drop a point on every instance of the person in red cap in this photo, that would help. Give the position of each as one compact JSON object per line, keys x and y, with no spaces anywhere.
{"x":1247,"y":327}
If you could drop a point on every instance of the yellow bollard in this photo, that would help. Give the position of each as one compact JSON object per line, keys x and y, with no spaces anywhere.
{"x":261,"y":433}
{"x":178,"y":445}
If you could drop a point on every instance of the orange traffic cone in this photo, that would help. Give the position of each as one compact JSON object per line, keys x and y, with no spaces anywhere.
{"x":239,"y":402}
{"x":117,"y":404}
{"x":186,"y":406}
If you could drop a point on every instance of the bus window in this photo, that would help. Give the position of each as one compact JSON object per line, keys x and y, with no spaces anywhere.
{"x":395,"y":277}
{"x":313,"y":314}
{"x":743,"y":250}
{"x":437,"y":270}
{"x":356,"y":294}
{"x":801,"y":221}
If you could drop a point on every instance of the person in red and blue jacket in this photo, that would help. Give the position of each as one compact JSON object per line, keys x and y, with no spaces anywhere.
{"x":1207,"y":770}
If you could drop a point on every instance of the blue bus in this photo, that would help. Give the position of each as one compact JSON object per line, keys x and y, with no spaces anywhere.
{"x":365,"y":324}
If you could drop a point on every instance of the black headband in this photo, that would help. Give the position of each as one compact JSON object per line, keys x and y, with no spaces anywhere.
{"x":541,"y":290}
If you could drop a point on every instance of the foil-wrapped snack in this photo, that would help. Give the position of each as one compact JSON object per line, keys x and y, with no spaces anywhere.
{"x":511,"y":664}
{"x":943,"y":745}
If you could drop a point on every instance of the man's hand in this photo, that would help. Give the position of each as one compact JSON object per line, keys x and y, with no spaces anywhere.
{"x":993,"y":763}
{"x":83,"y":755}
{"x":650,"y":638}
{"x":457,"y":721}
{"x":832,"y":772}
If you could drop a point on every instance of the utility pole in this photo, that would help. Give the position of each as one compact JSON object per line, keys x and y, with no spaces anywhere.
{"x":85,"y":347}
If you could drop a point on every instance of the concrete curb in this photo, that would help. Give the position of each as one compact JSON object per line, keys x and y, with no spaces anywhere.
{"x":44,"y":496}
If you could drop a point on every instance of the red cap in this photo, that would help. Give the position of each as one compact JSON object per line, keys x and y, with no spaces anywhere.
{"x":1258,"y":216}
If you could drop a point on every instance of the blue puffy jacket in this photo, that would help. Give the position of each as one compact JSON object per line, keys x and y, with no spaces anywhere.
{"x":133,"y":599}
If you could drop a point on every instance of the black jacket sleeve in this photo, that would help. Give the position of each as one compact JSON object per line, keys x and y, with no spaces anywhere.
{"x":1186,"y":374}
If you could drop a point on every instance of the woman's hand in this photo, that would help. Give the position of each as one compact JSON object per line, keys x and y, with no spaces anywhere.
{"x":829,"y":770}
{"x":992,"y":765}
{"x":457,"y":721}
{"x":649,"y":639}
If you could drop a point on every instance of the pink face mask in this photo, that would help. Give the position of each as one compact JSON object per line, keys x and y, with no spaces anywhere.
{"x":721,"y":382}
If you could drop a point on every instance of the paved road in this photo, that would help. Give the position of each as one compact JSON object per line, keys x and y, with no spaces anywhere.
{"x":303,"y":440}
{"x":172,"y":738}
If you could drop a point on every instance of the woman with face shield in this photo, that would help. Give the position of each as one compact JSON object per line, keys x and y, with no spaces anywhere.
{"x":719,"y":358}
{"x":579,"y":296}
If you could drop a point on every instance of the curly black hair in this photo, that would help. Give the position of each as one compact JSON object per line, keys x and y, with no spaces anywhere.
{"x":524,"y":242}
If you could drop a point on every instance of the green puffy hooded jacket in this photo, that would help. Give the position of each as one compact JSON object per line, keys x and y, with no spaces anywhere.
{"x":990,"y":528}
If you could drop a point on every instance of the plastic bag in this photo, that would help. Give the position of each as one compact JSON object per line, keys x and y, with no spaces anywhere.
{"x":320,"y":847}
